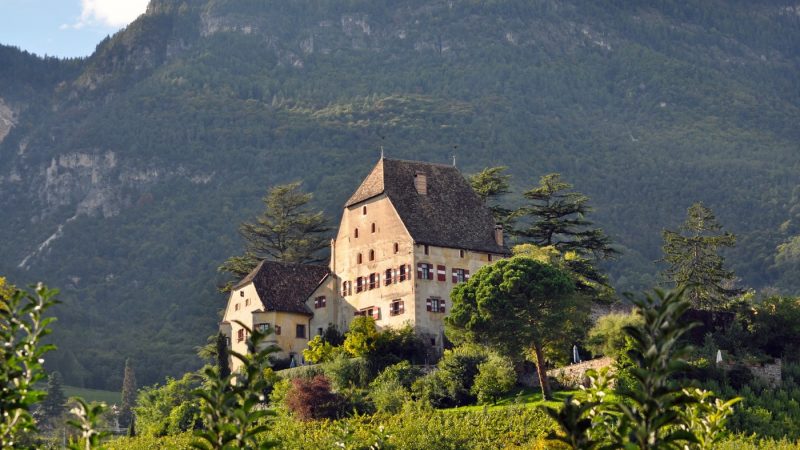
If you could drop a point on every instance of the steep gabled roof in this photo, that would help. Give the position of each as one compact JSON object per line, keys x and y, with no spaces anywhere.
{"x":449,"y":215}
{"x":285,"y":287}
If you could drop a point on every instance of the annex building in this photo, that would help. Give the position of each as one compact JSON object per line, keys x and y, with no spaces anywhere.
{"x":408,"y":234}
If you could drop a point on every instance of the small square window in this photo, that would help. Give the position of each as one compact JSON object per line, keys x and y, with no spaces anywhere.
{"x":241,"y":293}
{"x":396,"y":308}
{"x":300,"y":331}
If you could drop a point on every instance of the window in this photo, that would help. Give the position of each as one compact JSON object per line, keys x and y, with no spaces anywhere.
{"x":241,"y":293}
{"x":359,"y":284}
{"x":489,"y":257}
{"x":247,"y":302}
{"x":262,"y":327}
{"x":426,"y":249}
{"x":373,"y":280}
{"x":240,"y":335}
{"x":403,"y":273}
{"x":364,"y":210}
{"x":396,"y":247}
{"x":373,"y":227}
{"x":387,"y":277}
{"x":425,"y":271}
{"x":349,"y":288}
{"x":344,"y":288}
{"x":441,"y":273}
{"x":396,"y":307}
{"x":434,"y":305}
{"x":372,"y":255}
{"x":236,"y":307}
{"x":371,"y":311}
{"x":278,"y":330}
{"x":355,"y":233}
{"x":433,"y":342}
{"x":320,"y":302}
{"x":300,"y":331}
{"x":358,"y":258}
{"x":320,"y":331}
{"x":460,"y":275}
{"x":461,"y":253}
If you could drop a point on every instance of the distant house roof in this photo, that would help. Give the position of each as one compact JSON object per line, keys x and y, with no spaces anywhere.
{"x":285,"y":287}
{"x":450,"y":214}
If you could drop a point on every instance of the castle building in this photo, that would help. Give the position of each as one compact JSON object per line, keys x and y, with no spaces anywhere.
{"x":409,"y":233}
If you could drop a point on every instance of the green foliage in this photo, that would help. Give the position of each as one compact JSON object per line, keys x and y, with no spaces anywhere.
{"x":87,"y":425}
{"x":156,"y":405}
{"x":694,"y":261}
{"x":656,"y":413}
{"x":518,"y":306}
{"x":286,"y":231}
{"x":496,"y":376}
{"x":347,"y":372}
{"x":607,"y":336}
{"x":231,"y":406}
{"x":775,"y":327}
{"x":319,"y":351}
{"x":361,"y":337}
{"x":22,"y":327}
{"x":452,"y":383}
{"x":223,"y":359}
{"x":492,"y":184}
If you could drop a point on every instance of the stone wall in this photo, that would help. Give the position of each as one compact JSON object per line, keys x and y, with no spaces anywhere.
{"x":574,"y":375}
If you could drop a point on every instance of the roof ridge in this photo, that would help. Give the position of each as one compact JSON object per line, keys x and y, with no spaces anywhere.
{"x":426,"y":163}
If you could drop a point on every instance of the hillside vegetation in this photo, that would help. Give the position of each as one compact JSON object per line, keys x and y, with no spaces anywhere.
{"x":126,"y":173}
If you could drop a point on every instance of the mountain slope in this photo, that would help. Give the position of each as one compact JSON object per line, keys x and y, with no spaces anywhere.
{"x":128,"y":178}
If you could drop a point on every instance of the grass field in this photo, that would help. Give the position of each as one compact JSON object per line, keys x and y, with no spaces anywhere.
{"x":528,"y":398}
{"x":93,"y":395}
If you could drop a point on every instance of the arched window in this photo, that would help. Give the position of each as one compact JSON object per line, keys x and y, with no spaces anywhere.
{"x":358,"y":258}
{"x":396,"y":247}
{"x":371,"y":255}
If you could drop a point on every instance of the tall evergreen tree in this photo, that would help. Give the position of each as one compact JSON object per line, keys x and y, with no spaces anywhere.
{"x":128,"y":395}
{"x":54,"y":403}
{"x":286,"y":231}
{"x":557,"y":217}
{"x":692,"y":253}
{"x":491,"y":184}
{"x":222,"y":356}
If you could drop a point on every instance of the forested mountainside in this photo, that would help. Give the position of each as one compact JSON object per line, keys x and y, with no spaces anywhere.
{"x":123,"y":176}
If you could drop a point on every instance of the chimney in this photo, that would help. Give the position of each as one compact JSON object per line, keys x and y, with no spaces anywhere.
{"x":498,"y":235}
{"x":333,"y":256}
{"x":421,"y":183}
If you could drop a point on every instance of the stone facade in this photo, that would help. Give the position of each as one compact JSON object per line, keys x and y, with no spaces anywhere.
{"x":408,"y":234}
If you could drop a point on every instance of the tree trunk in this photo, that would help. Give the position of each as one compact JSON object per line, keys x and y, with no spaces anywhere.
{"x":541,"y":370}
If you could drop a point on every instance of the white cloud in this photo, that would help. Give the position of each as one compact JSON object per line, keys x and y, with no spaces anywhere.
{"x":112,"y":13}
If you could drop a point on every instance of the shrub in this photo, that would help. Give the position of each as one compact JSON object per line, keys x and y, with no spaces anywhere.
{"x":319,"y":351}
{"x":607,"y":337}
{"x":495,"y":377}
{"x":360,"y":339}
{"x":391,"y":388}
{"x":310,"y":399}
{"x":346,"y":372}
{"x":156,"y":405}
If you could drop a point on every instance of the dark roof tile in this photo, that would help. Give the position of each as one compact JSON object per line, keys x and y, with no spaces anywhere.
{"x":285,"y":287}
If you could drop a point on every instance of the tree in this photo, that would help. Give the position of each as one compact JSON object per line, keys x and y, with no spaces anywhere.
{"x":491,"y":184}
{"x":223,"y":365}
{"x":361,"y":338}
{"x":515,"y":305}
{"x":286,"y":231}
{"x":557,"y":218}
{"x":55,"y":402}
{"x":692,"y":254}
{"x":128,"y":394}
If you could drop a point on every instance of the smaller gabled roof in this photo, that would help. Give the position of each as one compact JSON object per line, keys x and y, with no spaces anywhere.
{"x":285,"y":287}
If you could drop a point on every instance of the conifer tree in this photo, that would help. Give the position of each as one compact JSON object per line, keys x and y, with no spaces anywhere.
{"x":692,"y":253}
{"x":491,"y":184}
{"x":286,"y":231}
{"x":132,"y":427}
{"x":128,"y":395}
{"x":557,"y":217}
{"x":222,"y":356}
{"x":54,"y":403}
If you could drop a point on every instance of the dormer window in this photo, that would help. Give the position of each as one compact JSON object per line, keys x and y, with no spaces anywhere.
{"x":421,"y":183}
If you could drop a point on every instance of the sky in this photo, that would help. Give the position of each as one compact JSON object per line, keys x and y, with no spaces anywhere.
{"x":64,"y":28}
